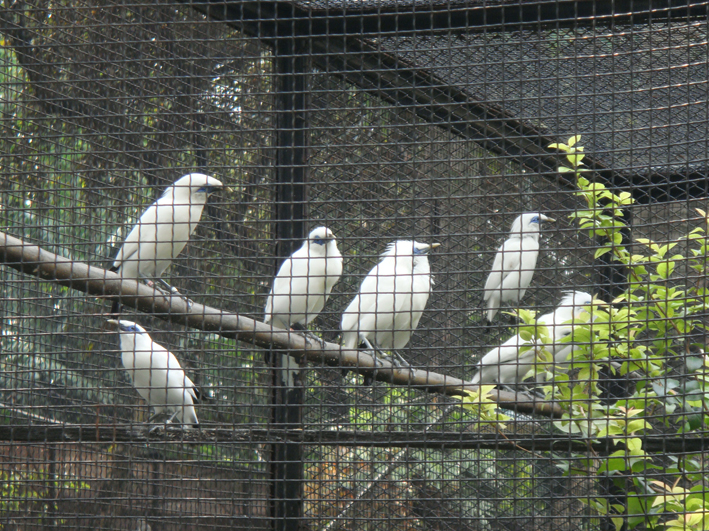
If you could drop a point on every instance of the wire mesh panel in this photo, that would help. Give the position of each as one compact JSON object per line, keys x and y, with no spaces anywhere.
{"x":372,"y":131}
{"x":104,"y":106}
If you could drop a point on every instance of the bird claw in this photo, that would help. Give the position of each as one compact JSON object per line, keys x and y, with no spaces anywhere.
{"x":170,"y":291}
{"x":173,"y":292}
{"x":307,"y":335}
{"x":377,"y":362}
{"x":161,"y":424}
{"x":156,"y":429}
{"x":399,"y":361}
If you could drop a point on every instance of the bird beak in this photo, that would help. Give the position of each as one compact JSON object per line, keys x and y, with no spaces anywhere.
{"x":228,"y":189}
{"x":550,"y":219}
{"x":114,"y":324}
{"x":435,"y":245}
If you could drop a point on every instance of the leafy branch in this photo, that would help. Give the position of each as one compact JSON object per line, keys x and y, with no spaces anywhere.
{"x":643,"y":331}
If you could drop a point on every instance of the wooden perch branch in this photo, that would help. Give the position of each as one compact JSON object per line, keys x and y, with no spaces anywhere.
{"x":35,"y":261}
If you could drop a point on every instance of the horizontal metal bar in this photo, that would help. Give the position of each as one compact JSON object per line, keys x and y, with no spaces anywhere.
{"x":131,"y":433}
{"x":284,"y":19}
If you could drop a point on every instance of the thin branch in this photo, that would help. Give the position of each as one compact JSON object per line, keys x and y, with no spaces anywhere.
{"x":35,"y":261}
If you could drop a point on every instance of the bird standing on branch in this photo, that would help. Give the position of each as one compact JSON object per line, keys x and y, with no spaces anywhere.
{"x":304,"y":281}
{"x":514,"y":263}
{"x":391,"y":299}
{"x":163,"y":230}
{"x":156,"y":374}
{"x":509,"y":363}
{"x":572,"y":306}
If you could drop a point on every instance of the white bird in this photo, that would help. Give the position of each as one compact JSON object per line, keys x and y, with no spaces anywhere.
{"x":514,"y":263}
{"x":156,"y":374}
{"x":164,"y":229}
{"x":391,"y":299}
{"x":572,"y":306}
{"x":304,"y":281}
{"x":509,"y":363}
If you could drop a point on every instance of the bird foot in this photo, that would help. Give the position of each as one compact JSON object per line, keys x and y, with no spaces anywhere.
{"x":187,"y":300}
{"x":157,"y":429}
{"x":166,"y":415}
{"x":168,"y":291}
{"x":308,"y":335}
{"x":161,"y":420}
{"x":173,"y":292}
{"x":399,"y":361}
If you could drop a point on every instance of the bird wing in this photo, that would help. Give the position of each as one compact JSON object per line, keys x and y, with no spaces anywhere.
{"x":506,"y":364}
{"x":299,"y":290}
{"x":411,"y":295}
{"x":333,"y":272}
{"x":160,"y":234}
{"x":310,"y":283}
{"x":148,"y":370}
{"x":130,"y":245}
{"x":507,"y":260}
{"x":527,"y":263}
{"x":372,"y":310}
{"x":514,"y":271}
{"x":491,"y":364}
{"x":494,"y":279}
{"x":278,"y":299}
{"x":177,"y":377}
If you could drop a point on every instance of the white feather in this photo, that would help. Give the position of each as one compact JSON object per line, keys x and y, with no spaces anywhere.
{"x":164,"y":228}
{"x":156,"y":374}
{"x":391,"y":299}
{"x":304,"y":281}
{"x":514,"y":263}
{"x":574,"y":304}
{"x":509,"y":363}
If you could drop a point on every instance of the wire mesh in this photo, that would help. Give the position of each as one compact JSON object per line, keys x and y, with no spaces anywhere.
{"x":381,"y":121}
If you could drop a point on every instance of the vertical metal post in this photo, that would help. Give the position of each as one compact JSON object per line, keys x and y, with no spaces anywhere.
{"x":291,"y":156}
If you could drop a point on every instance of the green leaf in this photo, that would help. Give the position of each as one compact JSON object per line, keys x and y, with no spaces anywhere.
{"x":573,"y":140}
{"x":559,"y":146}
{"x":575,"y":159}
{"x":665,"y":269}
{"x":601,"y":251}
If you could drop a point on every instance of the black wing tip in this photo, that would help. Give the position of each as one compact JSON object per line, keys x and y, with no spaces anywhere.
{"x":116,"y":308}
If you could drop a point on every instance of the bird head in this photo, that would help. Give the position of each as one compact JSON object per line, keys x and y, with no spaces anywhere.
{"x":320,"y":236}
{"x":529,"y":222}
{"x":195,"y":185}
{"x":126,"y":326}
{"x":409,"y":248}
{"x":424,"y":248}
{"x":573,"y":304}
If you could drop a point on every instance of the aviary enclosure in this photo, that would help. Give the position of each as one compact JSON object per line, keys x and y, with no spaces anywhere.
{"x":438,"y":122}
